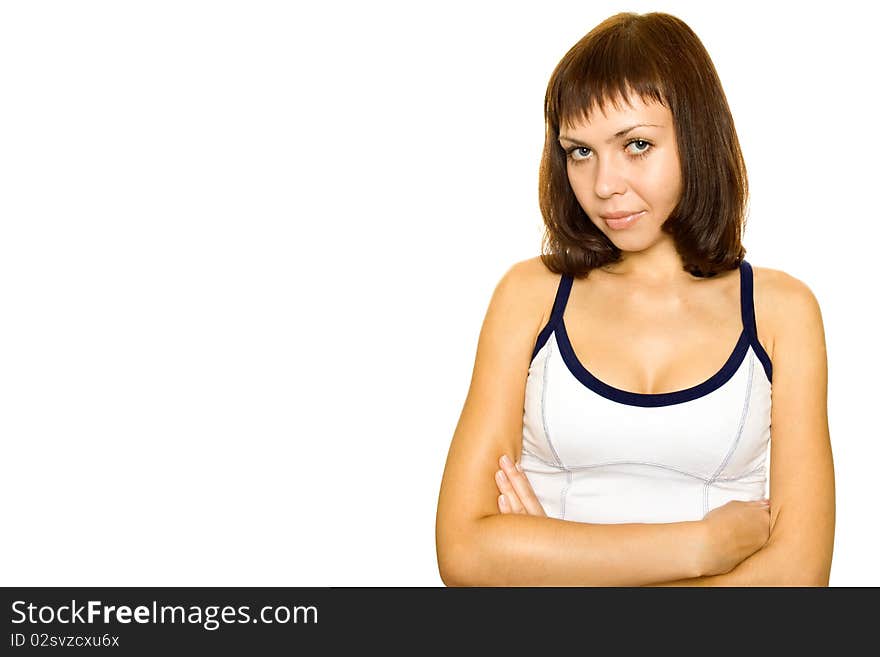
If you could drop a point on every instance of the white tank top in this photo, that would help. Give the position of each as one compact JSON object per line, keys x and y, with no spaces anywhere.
{"x":595,"y":453}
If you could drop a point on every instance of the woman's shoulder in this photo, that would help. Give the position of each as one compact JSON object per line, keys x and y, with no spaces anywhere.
{"x":780,"y":296}
{"x":781,"y":290}
{"x":535,"y":285}
{"x":533,"y":272}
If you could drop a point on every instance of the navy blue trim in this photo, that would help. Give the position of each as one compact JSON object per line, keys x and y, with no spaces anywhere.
{"x":650,"y":399}
{"x":748,"y":337}
{"x":747,"y":303}
{"x":562,"y":292}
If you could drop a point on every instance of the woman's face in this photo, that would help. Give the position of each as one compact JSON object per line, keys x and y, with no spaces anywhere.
{"x":632,"y":172}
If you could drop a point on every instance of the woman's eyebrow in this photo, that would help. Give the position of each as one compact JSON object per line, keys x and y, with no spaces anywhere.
{"x":617,"y":135}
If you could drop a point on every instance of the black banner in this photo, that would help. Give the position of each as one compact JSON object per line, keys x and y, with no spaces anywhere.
{"x":147,"y":620}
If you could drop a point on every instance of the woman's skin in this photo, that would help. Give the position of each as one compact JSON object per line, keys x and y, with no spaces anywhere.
{"x":517,"y":495}
{"x":639,"y":170}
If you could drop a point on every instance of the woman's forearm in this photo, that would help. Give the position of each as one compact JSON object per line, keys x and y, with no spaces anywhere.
{"x":772,"y":565}
{"x":525,"y":550}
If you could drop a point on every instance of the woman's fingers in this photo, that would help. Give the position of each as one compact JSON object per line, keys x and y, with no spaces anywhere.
{"x":508,"y":497}
{"x":525,"y":495}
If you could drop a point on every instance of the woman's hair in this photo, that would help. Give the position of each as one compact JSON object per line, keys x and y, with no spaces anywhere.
{"x":658,"y":57}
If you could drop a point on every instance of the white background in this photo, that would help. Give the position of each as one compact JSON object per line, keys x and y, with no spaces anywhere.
{"x":246,"y":249}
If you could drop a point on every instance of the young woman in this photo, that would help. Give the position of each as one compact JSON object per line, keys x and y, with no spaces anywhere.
{"x":624,"y":376}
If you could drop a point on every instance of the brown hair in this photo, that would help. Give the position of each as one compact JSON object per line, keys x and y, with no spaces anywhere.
{"x":658,"y":57}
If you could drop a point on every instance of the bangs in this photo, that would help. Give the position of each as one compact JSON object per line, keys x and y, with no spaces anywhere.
{"x":609,"y":70}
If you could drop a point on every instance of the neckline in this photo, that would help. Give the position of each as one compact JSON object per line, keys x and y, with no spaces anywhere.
{"x":630,"y":398}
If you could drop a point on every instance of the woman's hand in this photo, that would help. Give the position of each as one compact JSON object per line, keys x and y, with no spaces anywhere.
{"x":517,"y":495}
{"x":734,"y":531}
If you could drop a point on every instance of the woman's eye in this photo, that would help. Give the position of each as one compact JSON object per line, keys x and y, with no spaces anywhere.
{"x":639,"y":151}
{"x":579,"y":153}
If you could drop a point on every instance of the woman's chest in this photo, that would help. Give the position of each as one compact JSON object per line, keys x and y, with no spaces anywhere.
{"x":642,"y":343}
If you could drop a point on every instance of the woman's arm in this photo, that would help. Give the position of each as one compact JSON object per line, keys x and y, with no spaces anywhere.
{"x":801,"y":543}
{"x":766,"y":567}
{"x":526,"y":550}
{"x":478,"y":546}
{"x":729,"y":549}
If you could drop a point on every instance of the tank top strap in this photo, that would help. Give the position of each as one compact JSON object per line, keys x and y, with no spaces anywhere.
{"x":559,"y":302}
{"x":747,"y":304}
{"x":747,"y":300}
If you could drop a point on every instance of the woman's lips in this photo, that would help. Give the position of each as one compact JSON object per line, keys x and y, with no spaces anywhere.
{"x":624,"y":222}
